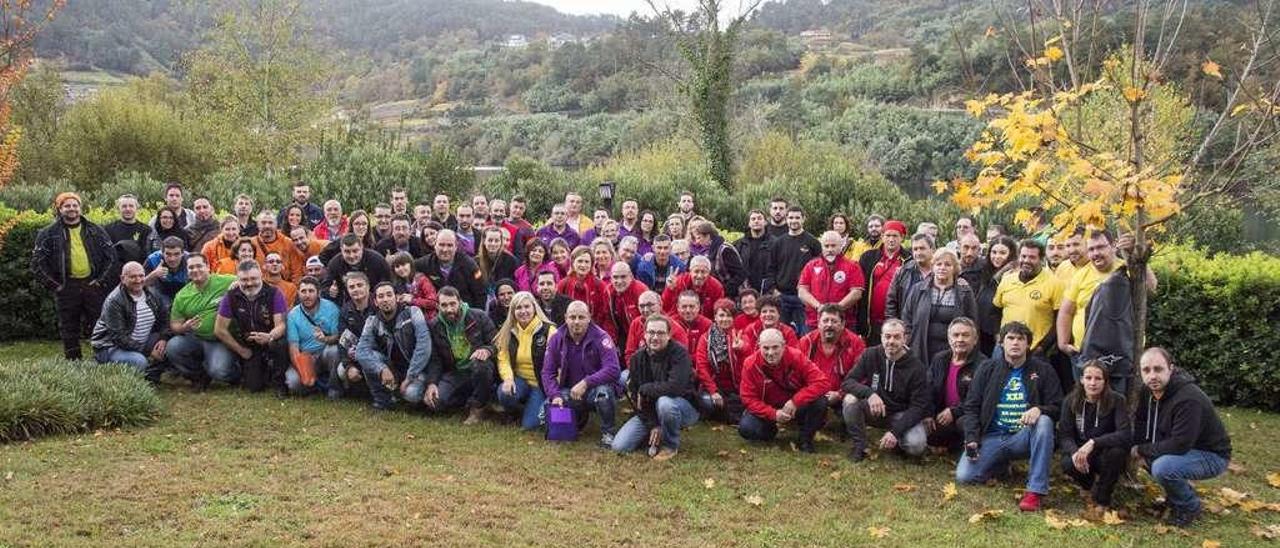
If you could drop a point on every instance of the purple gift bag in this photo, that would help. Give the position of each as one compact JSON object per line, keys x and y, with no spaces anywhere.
{"x":561,"y":425}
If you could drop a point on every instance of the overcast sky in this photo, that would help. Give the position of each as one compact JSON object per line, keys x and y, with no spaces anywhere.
{"x":622,"y":8}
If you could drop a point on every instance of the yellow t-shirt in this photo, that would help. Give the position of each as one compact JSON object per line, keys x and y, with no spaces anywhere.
{"x":524,"y":355}
{"x":1083,"y":283}
{"x":1032,"y":303}
{"x":80,"y":268}
{"x":1065,"y":271}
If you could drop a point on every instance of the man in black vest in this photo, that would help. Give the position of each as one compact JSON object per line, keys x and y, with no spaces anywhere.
{"x":256,"y":311}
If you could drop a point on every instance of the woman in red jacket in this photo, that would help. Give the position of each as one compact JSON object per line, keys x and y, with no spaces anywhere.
{"x":718,"y":366}
{"x":581,"y":284}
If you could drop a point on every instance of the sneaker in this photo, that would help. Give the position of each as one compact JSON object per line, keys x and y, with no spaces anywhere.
{"x":1030,"y":502}
{"x":1182,"y":520}
{"x":806,"y":446}
{"x":474,"y":416}
{"x":334,"y":394}
{"x":606,"y":440}
{"x":857,"y":454}
{"x":665,"y":454}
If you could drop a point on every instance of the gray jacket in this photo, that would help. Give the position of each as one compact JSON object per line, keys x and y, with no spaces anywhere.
{"x":114,"y":328}
{"x":409,"y":333}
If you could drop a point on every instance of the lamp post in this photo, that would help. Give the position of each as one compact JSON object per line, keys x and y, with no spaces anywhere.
{"x":606,"y":194}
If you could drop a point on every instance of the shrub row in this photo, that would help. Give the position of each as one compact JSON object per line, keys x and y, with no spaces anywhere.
{"x":52,"y":396}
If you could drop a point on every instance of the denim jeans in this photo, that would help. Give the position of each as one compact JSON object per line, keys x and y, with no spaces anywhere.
{"x":809,"y":418}
{"x":472,"y":387}
{"x":198,"y":359}
{"x":136,"y":360}
{"x":996,"y":451}
{"x":793,"y":314}
{"x":1174,"y":473}
{"x":600,"y":399}
{"x":673,"y":415}
{"x":528,"y":397}
{"x":858,"y":414}
{"x":325,"y":362}
{"x":383,"y":397}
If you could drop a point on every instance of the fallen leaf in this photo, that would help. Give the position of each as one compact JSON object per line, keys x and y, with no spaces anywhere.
{"x":1231,"y":497}
{"x":1162,"y":529}
{"x":1274,"y":479}
{"x":1269,"y":532}
{"x":717,"y":428}
{"x":904,"y":487}
{"x":722,"y":453}
{"x":824,"y":462}
{"x":836,"y":475}
{"x":878,"y":532}
{"x":1253,"y":505}
{"x":1210,"y":544}
{"x":985,"y":515}
{"x":8,"y":476}
{"x":1055,"y":522}
{"x":742,"y":451}
{"x":1236,"y":468}
{"x":1112,"y":518}
{"x":754,"y":500}
{"x":949,"y":492}
{"x":417,"y":515}
{"x":410,"y":436}
{"x":1211,"y":68}
{"x":709,"y":483}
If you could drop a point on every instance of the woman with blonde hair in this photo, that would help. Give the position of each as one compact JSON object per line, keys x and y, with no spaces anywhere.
{"x":933,"y":302}
{"x":521,"y":344}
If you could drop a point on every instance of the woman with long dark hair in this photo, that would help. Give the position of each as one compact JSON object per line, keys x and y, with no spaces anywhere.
{"x":648,"y":231}
{"x":167,"y":225}
{"x":999,"y":260}
{"x":1093,"y":434}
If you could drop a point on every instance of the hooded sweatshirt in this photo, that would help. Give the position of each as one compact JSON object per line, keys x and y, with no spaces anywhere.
{"x":903,"y":384}
{"x":1181,"y":420}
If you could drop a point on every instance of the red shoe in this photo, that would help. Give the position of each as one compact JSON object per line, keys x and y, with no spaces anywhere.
{"x":1030,"y":502}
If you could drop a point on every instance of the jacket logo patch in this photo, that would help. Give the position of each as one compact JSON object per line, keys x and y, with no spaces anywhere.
{"x":839,"y":277}
{"x":1035,"y":295}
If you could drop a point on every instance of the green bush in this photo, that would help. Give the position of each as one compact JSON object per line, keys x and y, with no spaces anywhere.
{"x":1218,"y":316}
{"x":51,"y":396}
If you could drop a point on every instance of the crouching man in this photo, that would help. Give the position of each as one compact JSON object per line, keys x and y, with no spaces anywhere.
{"x":394,"y":349}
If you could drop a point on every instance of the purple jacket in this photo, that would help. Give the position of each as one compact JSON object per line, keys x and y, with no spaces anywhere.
{"x":594,"y":359}
{"x":525,"y":279}
{"x":548,"y":233}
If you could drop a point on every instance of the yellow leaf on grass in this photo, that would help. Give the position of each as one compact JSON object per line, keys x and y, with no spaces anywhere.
{"x":878,"y":532}
{"x":985,"y":515}
{"x":940,"y":186}
{"x":1274,"y":479}
{"x":949,"y":492}
{"x":1112,"y":518}
{"x":1055,"y":522}
{"x":904,"y":487}
{"x":991,"y":32}
{"x":1210,"y":544}
{"x":1231,"y":497}
{"x":1269,"y":532}
{"x":709,"y":483}
{"x":1211,"y":68}
{"x":1240,"y":108}
{"x":754,"y":500}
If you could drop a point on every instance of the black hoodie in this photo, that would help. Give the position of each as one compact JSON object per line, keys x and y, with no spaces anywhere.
{"x":903,"y":385}
{"x":1181,"y":420}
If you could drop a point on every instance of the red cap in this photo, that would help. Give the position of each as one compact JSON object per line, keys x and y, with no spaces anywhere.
{"x":899,"y":226}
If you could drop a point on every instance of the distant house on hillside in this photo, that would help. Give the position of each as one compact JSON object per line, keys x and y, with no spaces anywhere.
{"x":817,"y":39}
{"x":561,"y":38}
{"x":516,"y":41}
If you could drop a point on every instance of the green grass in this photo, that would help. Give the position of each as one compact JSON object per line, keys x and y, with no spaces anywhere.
{"x":225,"y":467}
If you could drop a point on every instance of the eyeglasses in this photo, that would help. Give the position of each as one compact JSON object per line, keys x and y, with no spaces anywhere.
{"x":650,"y":332}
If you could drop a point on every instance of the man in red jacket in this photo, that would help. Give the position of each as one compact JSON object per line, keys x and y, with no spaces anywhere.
{"x":689,"y":316}
{"x":779,"y":386}
{"x":649,"y":304}
{"x":834,"y":349}
{"x":699,"y":280}
{"x":831,"y":279}
{"x":623,"y":295}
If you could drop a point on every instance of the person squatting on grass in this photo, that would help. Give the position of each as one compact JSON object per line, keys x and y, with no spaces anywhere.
{"x":686,"y":326}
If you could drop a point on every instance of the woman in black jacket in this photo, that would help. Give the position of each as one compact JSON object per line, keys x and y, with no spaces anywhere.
{"x":1093,"y":434}
{"x":933,"y":302}
{"x":998,"y":262}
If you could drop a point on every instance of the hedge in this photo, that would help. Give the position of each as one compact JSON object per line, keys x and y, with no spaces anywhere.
{"x":53,"y":396}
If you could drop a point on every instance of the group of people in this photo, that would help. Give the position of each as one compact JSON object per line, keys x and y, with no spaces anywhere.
{"x":474,"y":308}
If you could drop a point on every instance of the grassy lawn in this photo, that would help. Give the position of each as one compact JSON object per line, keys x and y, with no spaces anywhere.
{"x":225,"y":467}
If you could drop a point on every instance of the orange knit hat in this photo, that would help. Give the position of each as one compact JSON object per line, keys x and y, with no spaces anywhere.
{"x":62,"y":198}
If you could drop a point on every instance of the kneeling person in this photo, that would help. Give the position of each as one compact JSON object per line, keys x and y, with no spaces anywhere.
{"x":313,"y":337}
{"x":394,"y":348}
{"x":461,"y":372}
{"x":581,"y":370}
{"x":888,"y":388}
{"x":134,"y":325}
{"x":251,"y":323}
{"x":194,"y":351}
{"x":779,"y":385}
{"x":660,"y":385}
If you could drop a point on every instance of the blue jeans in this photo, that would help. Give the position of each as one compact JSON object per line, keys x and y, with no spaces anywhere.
{"x":600,"y":399}
{"x":325,"y":361}
{"x":673,"y":414}
{"x":530,"y":398}
{"x":136,"y":360}
{"x":1174,"y":472}
{"x":793,"y":314}
{"x":195,"y":358}
{"x":996,"y":451}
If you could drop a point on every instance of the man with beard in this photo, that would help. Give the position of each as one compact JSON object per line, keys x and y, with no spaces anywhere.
{"x":1032,"y":295}
{"x":581,"y":370}
{"x":888,"y":388}
{"x":1074,"y":257}
{"x":382,"y":221}
{"x":307,"y":245}
{"x":243,"y":210}
{"x":629,"y":224}
{"x":127,"y":234}
{"x":777,"y":218}
{"x":875,"y":228}
{"x":468,"y":236}
{"x":194,"y":351}
{"x":624,"y":297}
{"x":273,"y":275}
{"x":441,"y":212}
{"x":399,"y":201}
{"x":551,"y":301}
{"x":689,"y":316}
{"x":167,"y":268}
{"x":880,"y":264}
{"x":464,"y":367}
{"x":401,"y":239}
{"x":394,"y":350}
{"x":834,"y":349}
{"x":313,"y":332}
{"x":355,"y":258}
{"x":791,"y":252}
{"x":753,"y":248}
{"x":270,"y":240}
{"x":203,"y":227}
{"x":831,"y":279}
{"x":251,"y":323}
{"x":134,"y":326}
{"x":356,"y":310}
{"x":969,"y":248}
{"x":648,"y":304}
{"x":659,"y":386}
{"x":312,"y":215}
{"x":73,"y":259}
{"x":334,"y":224}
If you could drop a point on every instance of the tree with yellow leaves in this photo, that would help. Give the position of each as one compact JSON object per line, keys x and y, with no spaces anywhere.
{"x":1126,"y":150}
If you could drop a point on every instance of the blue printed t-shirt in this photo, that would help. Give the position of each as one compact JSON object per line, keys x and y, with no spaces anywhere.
{"x":1013,"y":403}
{"x":300,"y":325}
